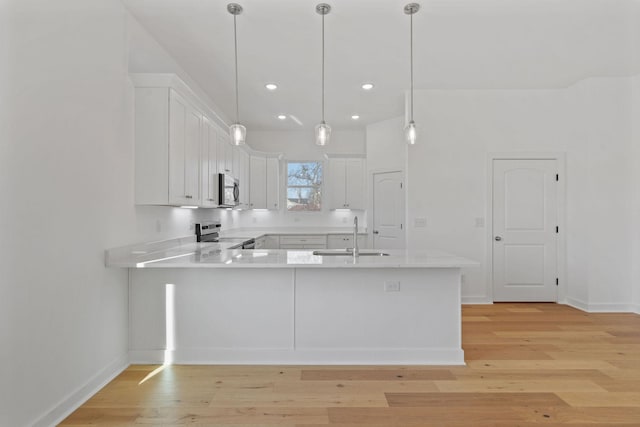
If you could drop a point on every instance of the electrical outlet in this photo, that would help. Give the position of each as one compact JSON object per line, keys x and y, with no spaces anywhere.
{"x":392,"y":286}
{"x":420,"y":222}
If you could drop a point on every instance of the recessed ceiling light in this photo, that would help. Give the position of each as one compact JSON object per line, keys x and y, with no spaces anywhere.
{"x":355,"y":117}
{"x":367,"y":86}
{"x":271,"y":86}
{"x":282,"y":117}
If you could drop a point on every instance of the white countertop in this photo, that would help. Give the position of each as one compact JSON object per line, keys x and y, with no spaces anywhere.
{"x":186,"y":253}
{"x":254,"y":233}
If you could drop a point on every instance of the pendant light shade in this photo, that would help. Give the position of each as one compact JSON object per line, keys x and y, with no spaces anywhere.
{"x":237,"y":132}
{"x":323,"y":130}
{"x":410,"y":130}
{"x":323,"y":133}
{"x":410,"y":133}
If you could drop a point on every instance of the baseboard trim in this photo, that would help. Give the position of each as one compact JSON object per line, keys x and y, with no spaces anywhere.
{"x":576,"y":303}
{"x":223,"y":356}
{"x":476,"y":300}
{"x":75,"y":399}
{"x":602,"y":307}
{"x":636,"y":308}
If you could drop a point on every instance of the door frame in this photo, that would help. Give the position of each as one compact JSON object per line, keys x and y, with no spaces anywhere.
{"x":370,"y":217}
{"x":560,"y":158}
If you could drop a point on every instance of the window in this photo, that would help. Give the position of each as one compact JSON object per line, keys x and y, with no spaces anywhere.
{"x":304,"y":186}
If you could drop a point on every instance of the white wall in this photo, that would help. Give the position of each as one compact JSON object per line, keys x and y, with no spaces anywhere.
{"x":590,"y":122}
{"x":636,"y":192}
{"x":66,"y":185}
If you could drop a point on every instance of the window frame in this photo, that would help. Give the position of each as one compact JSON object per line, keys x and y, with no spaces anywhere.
{"x":321,"y":187}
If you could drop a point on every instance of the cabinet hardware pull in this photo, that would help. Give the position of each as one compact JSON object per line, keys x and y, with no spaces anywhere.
{"x":189,"y":197}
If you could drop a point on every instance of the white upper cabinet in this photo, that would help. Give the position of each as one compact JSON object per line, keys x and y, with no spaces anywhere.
{"x":258,"y":186}
{"x":177,"y":144}
{"x":225,"y":154}
{"x":346,"y":189}
{"x":209,"y":164}
{"x":167,"y":148}
{"x":264,"y":178}
{"x":245,"y":180}
{"x":273,"y":184}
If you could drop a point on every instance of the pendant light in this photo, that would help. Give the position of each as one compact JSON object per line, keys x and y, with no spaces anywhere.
{"x":237,"y":132}
{"x":410,"y":130}
{"x":323,"y":130}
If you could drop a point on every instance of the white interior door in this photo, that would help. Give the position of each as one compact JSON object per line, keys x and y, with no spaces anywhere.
{"x":388,"y":211}
{"x":525,"y":219}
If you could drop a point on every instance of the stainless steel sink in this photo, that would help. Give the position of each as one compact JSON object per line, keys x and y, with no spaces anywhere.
{"x":340,"y":252}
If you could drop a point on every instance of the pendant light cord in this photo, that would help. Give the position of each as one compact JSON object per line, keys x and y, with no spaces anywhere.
{"x":235,"y":39}
{"x":322,"y":68}
{"x":411,"y":48}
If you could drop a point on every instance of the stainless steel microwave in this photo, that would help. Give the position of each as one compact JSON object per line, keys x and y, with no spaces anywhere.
{"x":228,"y":191}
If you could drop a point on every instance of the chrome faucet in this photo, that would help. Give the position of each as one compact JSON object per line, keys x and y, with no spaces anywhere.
{"x":356,"y":251}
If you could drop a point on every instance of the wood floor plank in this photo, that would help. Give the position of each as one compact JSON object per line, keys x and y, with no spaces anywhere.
{"x":527,"y":365}
{"x":376,"y":375}
{"x":409,"y":400}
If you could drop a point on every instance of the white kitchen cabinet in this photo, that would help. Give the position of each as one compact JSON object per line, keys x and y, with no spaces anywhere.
{"x":258,"y":187}
{"x":243,"y":176}
{"x":209,"y":164}
{"x":271,"y":241}
{"x":318,"y":241}
{"x":225,"y":153}
{"x":273,"y":183}
{"x":346,"y":189}
{"x":342,"y":241}
{"x":261,"y":242}
{"x":264,"y":181}
{"x":168,"y":131}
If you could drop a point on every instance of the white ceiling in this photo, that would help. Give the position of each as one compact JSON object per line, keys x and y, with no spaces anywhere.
{"x":459,"y":44}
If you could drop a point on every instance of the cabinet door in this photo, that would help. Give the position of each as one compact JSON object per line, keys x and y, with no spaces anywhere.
{"x":337,"y":187}
{"x":273,"y":183}
{"x":337,"y":241}
{"x":225,"y":153}
{"x":245,"y":183}
{"x":228,"y":157}
{"x":184,"y":152}
{"x":354,"y":184}
{"x":209,"y":164}
{"x":258,"y":187}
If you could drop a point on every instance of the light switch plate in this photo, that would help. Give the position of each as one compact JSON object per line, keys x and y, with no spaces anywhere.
{"x":420,"y":222}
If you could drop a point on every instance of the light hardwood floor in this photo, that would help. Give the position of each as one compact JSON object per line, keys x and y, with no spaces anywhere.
{"x":527,"y":365}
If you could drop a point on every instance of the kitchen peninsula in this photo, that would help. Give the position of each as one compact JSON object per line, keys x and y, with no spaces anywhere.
{"x":205,"y":303}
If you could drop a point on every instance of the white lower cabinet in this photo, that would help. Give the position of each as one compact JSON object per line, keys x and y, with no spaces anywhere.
{"x":342,"y":241}
{"x":271,"y":242}
{"x":303,"y":242}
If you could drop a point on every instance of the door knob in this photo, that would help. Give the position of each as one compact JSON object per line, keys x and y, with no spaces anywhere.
{"x":498,"y":238}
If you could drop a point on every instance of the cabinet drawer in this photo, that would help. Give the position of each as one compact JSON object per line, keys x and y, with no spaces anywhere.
{"x":319,"y":240}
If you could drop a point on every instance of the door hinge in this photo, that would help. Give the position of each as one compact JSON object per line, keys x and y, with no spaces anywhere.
{"x":557,"y":281}
{"x":557,"y":229}
{"x":557,"y":177}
